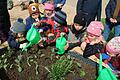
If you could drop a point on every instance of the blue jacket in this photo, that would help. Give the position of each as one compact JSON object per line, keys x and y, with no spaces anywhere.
{"x":55,"y":2}
{"x":29,"y":22}
{"x":110,"y":8}
{"x":44,"y":26}
{"x":91,"y":7}
{"x":12,"y":41}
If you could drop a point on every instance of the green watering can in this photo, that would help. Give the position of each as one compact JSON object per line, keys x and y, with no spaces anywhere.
{"x":60,"y":43}
{"x":106,"y":73}
{"x":33,"y":36}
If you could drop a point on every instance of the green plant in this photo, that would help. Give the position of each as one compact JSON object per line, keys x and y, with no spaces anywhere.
{"x":60,"y":69}
{"x":82,"y":73}
{"x":4,"y":59}
{"x":18,"y":62}
{"x":30,"y":59}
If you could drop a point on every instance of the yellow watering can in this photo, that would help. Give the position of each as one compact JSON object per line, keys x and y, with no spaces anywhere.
{"x":33,"y":36}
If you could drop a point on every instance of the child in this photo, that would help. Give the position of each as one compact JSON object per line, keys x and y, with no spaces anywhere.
{"x":58,"y":3}
{"x":34,"y":15}
{"x":60,"y":25}
{"x":49,"y":10}
{"x":93,"y":40}
{"x":111,"y":21}
{"x":113,"y":49}
{"x":16,"y":37}
{"x":40,"y":23}
{"x":76,"y":31}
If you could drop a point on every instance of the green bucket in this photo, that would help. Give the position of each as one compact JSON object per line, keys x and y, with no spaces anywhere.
{"x":106,"y":73}
{"x":60,"y":44}
{"x":33,"y":36}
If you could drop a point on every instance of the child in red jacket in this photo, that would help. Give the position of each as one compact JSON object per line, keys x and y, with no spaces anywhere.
{"x":60,"y":25}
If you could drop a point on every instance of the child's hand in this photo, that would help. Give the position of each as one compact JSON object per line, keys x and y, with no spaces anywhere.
{"x":17,"y":40}
{"x":62,"y":33}
{"x":50,"y":34}
{"x":59,"y":5}
{"x":23,"y":45}
{"x":113,"y":20}
{"x":37,"y":24}
{"x":66,"y":46}
{"x":41,"y":30}
{"x":83,"y":45}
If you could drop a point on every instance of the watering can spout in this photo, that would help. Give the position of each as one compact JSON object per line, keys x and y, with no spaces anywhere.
{"x":28,"y":45}
{"x":100,"y":66}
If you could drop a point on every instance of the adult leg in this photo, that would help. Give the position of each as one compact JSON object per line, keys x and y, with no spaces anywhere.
{"x":107,"y":30}
{"x":117,"y":30}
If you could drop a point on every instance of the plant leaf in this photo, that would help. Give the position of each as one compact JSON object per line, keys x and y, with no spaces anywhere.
{"x":20,"y":57}
{"x":82,"y":73}
{"x":47,"y":69}
{"x":68,"y":57}
{"x":42,"y":55}
{"x":19,"y":69}
{"x":78,"y":64}
{"x":5,"y":60}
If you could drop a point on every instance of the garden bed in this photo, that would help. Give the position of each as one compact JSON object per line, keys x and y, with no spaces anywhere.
{"x":37,"y":64}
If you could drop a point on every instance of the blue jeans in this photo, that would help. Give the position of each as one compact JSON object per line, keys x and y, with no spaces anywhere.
{"x":108,"y":28}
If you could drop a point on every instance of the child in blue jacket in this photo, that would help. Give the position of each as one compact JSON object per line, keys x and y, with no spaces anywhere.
{"x":16,"y":36}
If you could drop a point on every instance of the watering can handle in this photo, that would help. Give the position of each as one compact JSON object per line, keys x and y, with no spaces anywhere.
{"x":62,"y":35}
{"x":100,"y":62}
{"x":33,"y":25}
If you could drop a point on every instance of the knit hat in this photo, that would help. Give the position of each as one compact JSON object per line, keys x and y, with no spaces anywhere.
{"x":33,"y":8}
{"x":60,"y":17}
{"x":49,"y":6}
{"x":95,"y":28}
{"x":18,"y":26}
{"x":79,"y":19}
{"x":113,"y":46}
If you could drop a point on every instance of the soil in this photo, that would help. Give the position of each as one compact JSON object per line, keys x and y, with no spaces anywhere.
{"x":46,"y":58}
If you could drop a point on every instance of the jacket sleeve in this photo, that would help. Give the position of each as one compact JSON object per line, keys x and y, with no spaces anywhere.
{"x":43,"y":1}
{"x":44,"y":26}
{"x":99,"y":10}
{"x":12,"y":42}
{"x":28,"y":24}
{"x":107,"y":10}
{"x":92,"y":49}
{"x":63,"y":2}
{"x":72,"y":45}
{"x":79,"y":5}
